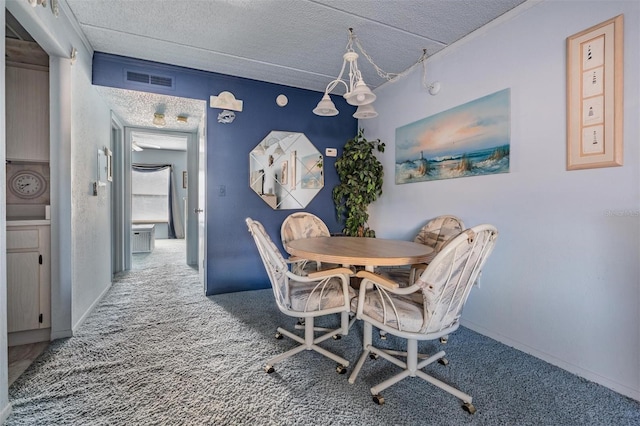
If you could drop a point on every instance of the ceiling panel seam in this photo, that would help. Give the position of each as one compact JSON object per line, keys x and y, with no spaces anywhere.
{"x":227,"y":55}
{"x":441,"y":43}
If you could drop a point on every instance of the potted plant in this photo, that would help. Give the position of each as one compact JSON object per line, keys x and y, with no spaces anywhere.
{"x":360,"y":174}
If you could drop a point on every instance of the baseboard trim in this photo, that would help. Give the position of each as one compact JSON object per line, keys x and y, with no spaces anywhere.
{"x":572,"y":368}
{"x":95,"y":303}
{"x":62,"y":334}
{"x":28,"y":336}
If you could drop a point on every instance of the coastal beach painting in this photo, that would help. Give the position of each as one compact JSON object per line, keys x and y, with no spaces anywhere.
{"x":472,"y":139}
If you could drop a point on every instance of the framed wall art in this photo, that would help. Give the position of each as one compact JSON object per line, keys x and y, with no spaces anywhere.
{"x":472,"y":139}
{"x":595,"y":96}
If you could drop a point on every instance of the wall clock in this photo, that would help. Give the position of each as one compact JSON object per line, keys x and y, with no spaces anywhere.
{"x":27,"y":184}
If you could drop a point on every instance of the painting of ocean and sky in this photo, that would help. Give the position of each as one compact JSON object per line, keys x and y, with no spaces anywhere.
{"x":469,"y":140}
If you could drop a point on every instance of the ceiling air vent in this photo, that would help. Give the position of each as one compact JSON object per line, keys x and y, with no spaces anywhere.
{"x":149,"y":79}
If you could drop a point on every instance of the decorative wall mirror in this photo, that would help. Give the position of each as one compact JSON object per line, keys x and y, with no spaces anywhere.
{"x":286,"y":170}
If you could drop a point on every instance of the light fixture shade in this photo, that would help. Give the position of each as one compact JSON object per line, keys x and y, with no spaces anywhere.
{"x":365,"y":111}
{"x":226,"y":100}
{"x":158,"y":120}
{"x":360,"y":95}
{"x":326,"y":107}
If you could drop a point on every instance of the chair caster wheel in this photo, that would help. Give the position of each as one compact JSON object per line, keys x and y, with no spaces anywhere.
{"x":444,"y":339}
{"x":443,"y":361}
{"x":337,"y":337}
{"x":269,"y":369}
{"x":341,"y":369}
{"x":373,"y":356}
{"x":469,"y":408}
{"x":378,"y":399}
{"x":278,"y":336}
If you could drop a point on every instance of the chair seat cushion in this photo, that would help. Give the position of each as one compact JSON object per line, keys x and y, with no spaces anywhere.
{"x":409,"y":310}
{"x":307,"y":297}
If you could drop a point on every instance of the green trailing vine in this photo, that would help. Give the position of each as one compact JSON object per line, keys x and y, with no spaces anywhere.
{"x":361,"y":175}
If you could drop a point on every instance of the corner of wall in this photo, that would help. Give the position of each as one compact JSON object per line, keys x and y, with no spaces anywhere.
{"x":5,"y":413}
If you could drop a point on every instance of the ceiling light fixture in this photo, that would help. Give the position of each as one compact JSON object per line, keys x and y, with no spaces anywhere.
{"x":158,"y":120}
{"x":357,"y":92}
{"x":226,"y":100}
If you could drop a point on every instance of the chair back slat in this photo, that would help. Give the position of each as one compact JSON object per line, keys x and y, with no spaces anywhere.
{"x":273,"y":261}
{"x":447,"y":282}
{"x":302,"y":225}
{"x":440,"y":230}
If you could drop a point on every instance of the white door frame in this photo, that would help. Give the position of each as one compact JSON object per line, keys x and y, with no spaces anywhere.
{"x":202,"y":202}
{"x":192,"y":237}
{"x":117,"y":197}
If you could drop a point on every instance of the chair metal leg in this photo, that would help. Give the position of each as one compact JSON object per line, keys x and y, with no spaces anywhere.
{"x":414,"y":369}
{"x":344,"y":323}
{"x":278,"y":358}
{"x":389,"y":382}
{"x":309,"y":342}
{"x":367,"y":330}
{"x":330,"y":355}
{"x":453,"y":391}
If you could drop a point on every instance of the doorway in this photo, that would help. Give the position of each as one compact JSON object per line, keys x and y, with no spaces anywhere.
{"x":28,"y":197}
{"x":150,"y":124}
{"x":159,"y":197}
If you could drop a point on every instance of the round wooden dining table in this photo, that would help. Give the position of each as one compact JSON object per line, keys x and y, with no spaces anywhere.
{"x":360,"y":251}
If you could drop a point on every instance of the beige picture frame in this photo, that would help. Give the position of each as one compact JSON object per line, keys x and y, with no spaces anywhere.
{"x":595,"y":96}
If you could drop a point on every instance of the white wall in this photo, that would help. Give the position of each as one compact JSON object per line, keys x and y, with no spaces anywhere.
{"x":91,"y":215}
{"x":5,"y":407}
{"x":80,"y":124}
{"x":562,"y":283}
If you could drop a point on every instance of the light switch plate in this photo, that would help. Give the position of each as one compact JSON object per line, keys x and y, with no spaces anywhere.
{"x":331,"y":152}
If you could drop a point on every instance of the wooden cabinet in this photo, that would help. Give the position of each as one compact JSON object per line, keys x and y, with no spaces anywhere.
{"x":27,"y":113}
{"x":28,"y":277}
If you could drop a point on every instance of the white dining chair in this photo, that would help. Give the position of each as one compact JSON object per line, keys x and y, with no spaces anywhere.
{"x":303,"y":225}
{"x":435,"y":234}
{"x":316,"y":294}
{"x":428,"y":309}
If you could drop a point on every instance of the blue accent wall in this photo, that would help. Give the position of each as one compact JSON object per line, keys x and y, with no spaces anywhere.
{"x":232,"y":258}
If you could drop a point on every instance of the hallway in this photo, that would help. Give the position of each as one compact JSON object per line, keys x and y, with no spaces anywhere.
{"x":167,"y":253}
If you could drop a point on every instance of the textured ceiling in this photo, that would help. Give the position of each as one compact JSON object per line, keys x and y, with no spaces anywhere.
{"x":296,"y":43}
{"x":136,"y":109}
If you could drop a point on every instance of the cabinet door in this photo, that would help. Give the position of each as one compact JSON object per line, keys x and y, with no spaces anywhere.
{"x":27,"y":114}
{"x":23,"y":291}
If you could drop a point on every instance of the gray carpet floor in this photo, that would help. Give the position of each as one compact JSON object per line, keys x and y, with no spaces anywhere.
{"x":156,"y":351}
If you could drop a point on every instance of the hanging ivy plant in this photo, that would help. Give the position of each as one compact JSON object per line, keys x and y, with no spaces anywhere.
{"x":360,"y":174}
